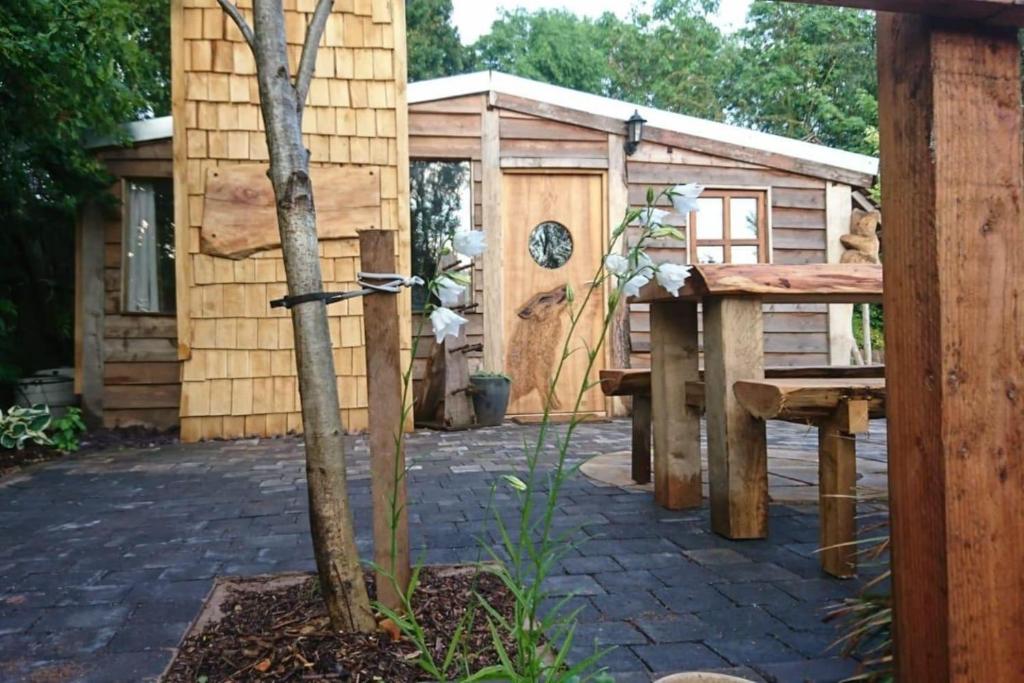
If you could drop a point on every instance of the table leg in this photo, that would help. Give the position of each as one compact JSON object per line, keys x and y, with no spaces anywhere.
{"x":641,"y":467}
{"x":674,"y":357}
{"x":737,"y":449}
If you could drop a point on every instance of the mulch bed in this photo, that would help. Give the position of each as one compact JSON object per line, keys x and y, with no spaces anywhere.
{"x":283,"y":633}
{"x":97,"y":440}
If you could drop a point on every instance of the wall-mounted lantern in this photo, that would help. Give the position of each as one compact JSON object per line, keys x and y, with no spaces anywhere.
{"x":634,"y":132}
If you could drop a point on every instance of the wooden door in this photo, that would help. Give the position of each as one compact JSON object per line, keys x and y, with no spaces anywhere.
{"x":553,"y":236}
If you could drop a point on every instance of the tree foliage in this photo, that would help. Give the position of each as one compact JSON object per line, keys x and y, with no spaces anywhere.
{"x":807,"y":72}
{"x":433,"y":43}
{"x":68,"y":69}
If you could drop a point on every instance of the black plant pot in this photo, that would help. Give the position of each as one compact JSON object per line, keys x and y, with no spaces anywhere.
{"x":490,"y":399}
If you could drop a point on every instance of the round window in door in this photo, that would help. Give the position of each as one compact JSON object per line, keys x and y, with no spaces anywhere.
{"x":551,"y":245}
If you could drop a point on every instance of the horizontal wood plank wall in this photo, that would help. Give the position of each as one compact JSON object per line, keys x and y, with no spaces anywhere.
{"x":141,"y":372}
{"x":239,"y":376}
{"x":450,"y":130}
{"x":794,"y":334}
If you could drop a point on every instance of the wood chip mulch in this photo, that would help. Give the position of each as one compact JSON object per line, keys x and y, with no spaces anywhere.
{"x":283,"y":634}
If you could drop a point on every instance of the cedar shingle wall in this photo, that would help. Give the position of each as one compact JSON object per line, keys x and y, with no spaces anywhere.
{"x":239,"y":378}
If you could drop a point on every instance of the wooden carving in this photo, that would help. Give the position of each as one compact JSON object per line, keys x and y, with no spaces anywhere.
{"x":240,"y":216}
{"x":862,"y":242}
{"x":533,"y":348}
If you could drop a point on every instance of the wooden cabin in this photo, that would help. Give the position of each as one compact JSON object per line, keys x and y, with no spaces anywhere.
{"x":545,"y":173}
{"x":173,"y":325}
{"x":542,"y":170}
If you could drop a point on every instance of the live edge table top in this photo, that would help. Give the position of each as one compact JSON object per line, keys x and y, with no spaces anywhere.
{"x":811,"y":283}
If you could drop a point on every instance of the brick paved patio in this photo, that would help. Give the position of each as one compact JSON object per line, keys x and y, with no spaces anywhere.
{"x":107,"y":557}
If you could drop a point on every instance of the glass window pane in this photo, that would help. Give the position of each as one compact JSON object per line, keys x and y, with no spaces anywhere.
{"x":744,"y":254}
{"x":440,"y":203}
{"x":148,"y":246}
{"x":710,"y":254}
{"x":743,"y":217}
{"x":710,"y":218}
{"x":550,"y":245}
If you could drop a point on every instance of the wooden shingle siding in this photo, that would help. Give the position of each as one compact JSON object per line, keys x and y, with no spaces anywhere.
{"x":239,"y":368}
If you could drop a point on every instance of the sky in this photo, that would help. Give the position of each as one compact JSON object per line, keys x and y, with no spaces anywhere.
{"x":474,"y":17}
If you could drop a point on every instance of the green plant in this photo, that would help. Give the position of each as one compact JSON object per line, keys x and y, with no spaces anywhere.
{"x":528,"y":554}
{"x":64,"y":431}
{"x":22,"y":424}
{"x":866,"y":619}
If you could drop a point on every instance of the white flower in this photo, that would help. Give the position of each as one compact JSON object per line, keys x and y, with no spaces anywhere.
{"x":684,"y":197}
{"x":635,"y":284}
{"x":651,"y":216}
{"x":672,"y":276}
{"x":446,"y":322}
{"x":469,"y":243}
{"x":644,"y":265}
{"x":616,"y":264}
{"x":449,"y":291}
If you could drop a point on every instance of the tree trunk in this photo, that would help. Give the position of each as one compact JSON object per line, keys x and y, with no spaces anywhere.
{"x":281,"y":101}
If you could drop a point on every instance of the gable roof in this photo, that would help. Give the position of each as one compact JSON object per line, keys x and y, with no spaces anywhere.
{"x":144,"y":130}
{"x":857,"y":169}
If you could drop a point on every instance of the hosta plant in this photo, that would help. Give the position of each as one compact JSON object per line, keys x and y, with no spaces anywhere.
{"x":20,"y":424}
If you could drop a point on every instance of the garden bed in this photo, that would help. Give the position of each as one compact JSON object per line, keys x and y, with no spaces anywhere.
{"x":276,"y":629}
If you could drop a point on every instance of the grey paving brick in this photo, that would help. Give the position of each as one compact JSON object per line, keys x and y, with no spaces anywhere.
{"x":126,"y":544}
{"x":572,"y":584}
{"x":679,"y":628}
{"x":752,"y":650}
{"x":809,"y":671}
{"x":679,"y":657}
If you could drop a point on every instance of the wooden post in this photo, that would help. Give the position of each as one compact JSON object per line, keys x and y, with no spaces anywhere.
{"x":674,"y":354}
{"x":950,"y":124}
{"x":641,"y":452}
{"x":837,"y":481}
{"x":737,"y":450}
{"x":384,"y":395}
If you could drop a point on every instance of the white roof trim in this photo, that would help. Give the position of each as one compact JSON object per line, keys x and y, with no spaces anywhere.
{"x":485,"y":81}
{"x":144,"y":130}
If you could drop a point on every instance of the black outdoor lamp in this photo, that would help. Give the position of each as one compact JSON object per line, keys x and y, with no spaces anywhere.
{"x":634,"y":132}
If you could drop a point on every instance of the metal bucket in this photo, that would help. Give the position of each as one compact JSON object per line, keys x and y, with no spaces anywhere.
{"x":54,"y":387}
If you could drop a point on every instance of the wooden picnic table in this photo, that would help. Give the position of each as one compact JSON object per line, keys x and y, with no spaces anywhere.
{"x":732,"y":297}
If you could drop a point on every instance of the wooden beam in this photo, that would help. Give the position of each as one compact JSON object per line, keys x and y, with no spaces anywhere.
{"x":837,"y":481}
{"x":619,"y":344}
{"x":952,"y":181}
{"x":493,"y":304}
{"x":381,"y":320}
{"x":737,"y":449}
{"x":641,"y":450}
{"x":838,"y":212}
{"x":1001,"y":12}
{"x":182,"y":255}
{"x":677,"y":477}
{"x":682,"y":140}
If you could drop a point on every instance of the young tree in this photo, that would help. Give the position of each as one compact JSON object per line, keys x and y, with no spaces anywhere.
{"x":281,"y":100}
{"x":433,"y":42}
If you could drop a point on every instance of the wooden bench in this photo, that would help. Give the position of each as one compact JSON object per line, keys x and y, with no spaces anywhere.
{"x":840,"y":408}
{"x":637,"y":383}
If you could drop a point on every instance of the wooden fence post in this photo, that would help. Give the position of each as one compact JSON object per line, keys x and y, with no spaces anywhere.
{"x":950,"y":124}
{"x":381,"y":322}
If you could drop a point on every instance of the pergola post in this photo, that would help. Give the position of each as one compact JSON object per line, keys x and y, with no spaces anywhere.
{"x":950,"y":124}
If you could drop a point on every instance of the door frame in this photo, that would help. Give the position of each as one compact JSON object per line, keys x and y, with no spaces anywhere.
{"x":494,"y":277}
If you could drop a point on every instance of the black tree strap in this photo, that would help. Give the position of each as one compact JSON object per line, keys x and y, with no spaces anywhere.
{"x":387,"y":283}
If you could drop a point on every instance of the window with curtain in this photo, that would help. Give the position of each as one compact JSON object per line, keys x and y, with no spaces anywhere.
{"x":440,"y":203}
{"x":147,"y":247}
{"x":731,"y":227}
